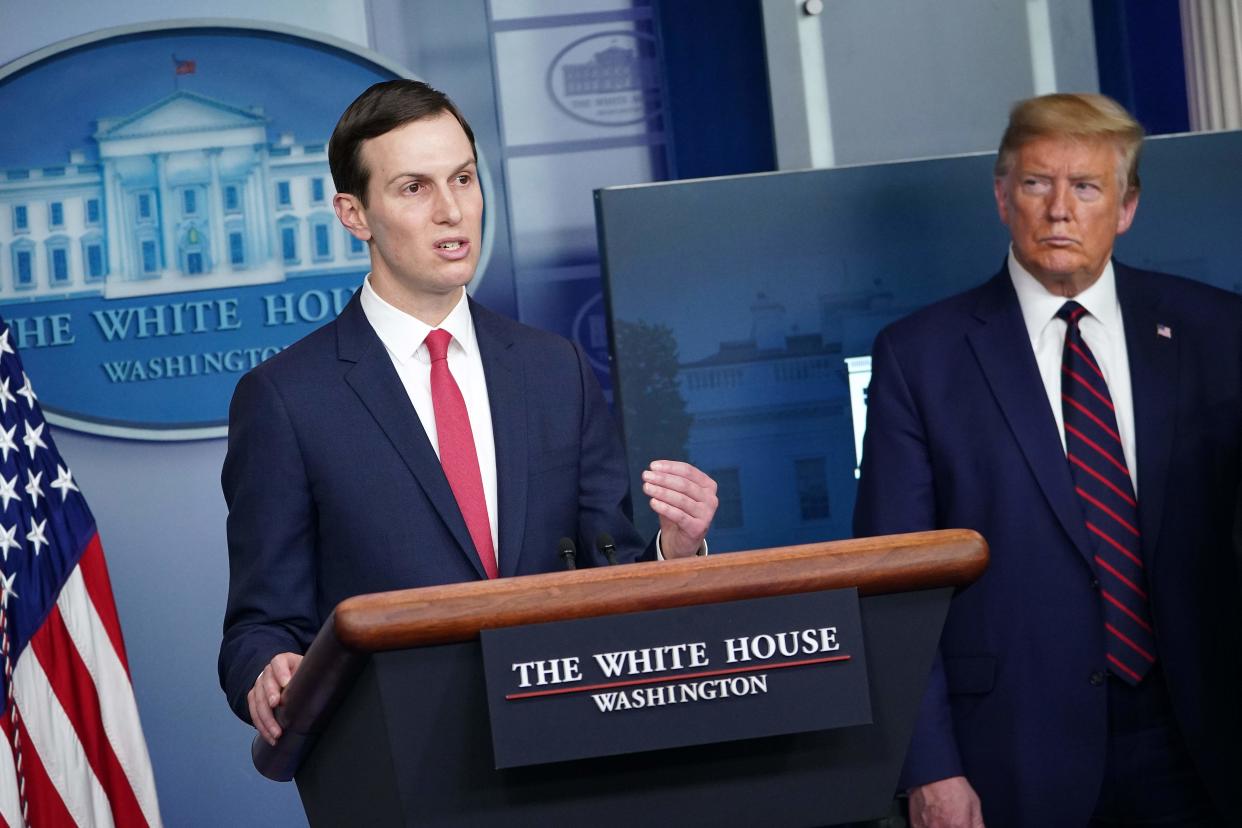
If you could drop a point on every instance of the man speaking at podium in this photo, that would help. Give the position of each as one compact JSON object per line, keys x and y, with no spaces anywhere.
{"x":1086,"y":418}
{"x":419,"y":438}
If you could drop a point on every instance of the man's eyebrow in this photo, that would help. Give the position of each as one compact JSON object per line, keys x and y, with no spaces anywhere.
{"x":398,"y":176}
{"x":470,"y":162}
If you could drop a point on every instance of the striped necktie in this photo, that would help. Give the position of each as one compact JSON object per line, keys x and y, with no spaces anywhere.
{"x":1106,"y":493}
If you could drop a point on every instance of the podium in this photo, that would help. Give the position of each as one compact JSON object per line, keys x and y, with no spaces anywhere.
{"x":386,"y":721}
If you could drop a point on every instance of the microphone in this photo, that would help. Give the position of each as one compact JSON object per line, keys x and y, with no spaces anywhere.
{"x":567,"y":552}
{"x":609,"y":549}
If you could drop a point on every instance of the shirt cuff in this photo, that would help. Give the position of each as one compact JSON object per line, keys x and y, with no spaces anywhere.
{"x":702,"y":553}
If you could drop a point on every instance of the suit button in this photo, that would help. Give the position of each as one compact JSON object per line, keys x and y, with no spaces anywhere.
{"x":1095,"y":583}
{"x":1097,"y":678}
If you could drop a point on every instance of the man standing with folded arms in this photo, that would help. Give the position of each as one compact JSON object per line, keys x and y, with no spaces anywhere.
{"x":419,"y":438}
{"x":1086,"y":418}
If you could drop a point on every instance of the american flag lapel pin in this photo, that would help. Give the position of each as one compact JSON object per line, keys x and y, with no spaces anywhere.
{"x":1164,"y":330}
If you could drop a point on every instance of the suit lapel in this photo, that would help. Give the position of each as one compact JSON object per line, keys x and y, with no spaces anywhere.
{"x":1003,"y":350}
{"x":506,"y":394}
{"x":1153,"y":384}
{"x":376,"y":383}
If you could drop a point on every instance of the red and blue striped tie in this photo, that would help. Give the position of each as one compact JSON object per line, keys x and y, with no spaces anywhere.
{"x":1102,"y":480}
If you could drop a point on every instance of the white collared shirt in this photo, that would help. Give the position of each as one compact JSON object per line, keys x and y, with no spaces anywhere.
{"x":403,"y":337}
{"x":1102,"y":329}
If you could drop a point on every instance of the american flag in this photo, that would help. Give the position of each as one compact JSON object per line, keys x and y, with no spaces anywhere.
{"x":75,"y":751}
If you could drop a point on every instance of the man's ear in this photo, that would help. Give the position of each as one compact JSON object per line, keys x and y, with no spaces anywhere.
{"x":1125,"y":215}
{"x":352,"y":214}
{"x":1002,"y":199}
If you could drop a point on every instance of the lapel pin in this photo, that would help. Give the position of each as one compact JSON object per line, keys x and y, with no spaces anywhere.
{"x":1164,"y":330}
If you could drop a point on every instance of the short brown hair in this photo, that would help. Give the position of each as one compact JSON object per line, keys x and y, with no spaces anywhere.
{"x":380,"y":109}
{"x":1081,"y":116}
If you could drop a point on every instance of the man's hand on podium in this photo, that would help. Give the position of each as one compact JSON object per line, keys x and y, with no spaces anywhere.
{"x":684,"y":498}
{"x":265,"y":695}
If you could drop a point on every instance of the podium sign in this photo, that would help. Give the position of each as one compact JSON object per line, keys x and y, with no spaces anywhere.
{"x":675,"y":677}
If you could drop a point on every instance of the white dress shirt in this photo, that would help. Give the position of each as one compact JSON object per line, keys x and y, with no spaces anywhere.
{"x":403,"y":337}
{"x":1103,"y":331}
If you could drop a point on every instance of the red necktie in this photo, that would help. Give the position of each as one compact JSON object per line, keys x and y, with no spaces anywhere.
{"x":1102,"y":480}
{"x":457,"y":454}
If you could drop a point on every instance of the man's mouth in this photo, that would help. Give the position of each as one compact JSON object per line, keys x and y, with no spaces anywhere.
{"x":453,"y":250}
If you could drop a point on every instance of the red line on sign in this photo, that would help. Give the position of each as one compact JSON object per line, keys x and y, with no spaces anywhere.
{"x":754,"y":668}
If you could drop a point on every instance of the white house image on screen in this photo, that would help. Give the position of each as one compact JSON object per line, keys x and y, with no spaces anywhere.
{"x":770,"y":414}
{"x":188,"y":194}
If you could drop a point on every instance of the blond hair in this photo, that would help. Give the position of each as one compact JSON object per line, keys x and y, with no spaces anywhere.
{"x":1077,"y":116}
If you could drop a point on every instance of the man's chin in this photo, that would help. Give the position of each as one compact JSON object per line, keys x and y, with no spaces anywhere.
{"x":1062,"y":265}
{"x":457,"y":274}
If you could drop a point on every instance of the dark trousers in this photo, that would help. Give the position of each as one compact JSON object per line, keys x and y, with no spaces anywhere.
{"x":1149,"y":778}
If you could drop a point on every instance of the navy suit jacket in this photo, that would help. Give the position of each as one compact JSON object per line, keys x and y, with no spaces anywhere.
{"x":334,"y":489}
{"x":960,"y":434}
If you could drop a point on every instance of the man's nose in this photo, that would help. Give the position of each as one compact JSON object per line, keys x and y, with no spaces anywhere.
{"x":1059,"y":202}
{"x":447,"y":210}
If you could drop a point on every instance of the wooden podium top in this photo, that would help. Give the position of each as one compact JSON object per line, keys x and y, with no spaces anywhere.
{"x":456,"y":612}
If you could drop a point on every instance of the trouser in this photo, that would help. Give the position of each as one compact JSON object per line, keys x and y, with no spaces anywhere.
{"x":1149,"y":776}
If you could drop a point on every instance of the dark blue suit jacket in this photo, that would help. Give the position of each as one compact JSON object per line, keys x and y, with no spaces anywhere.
{"x":960,"y":434}
{"x":334,"y":489}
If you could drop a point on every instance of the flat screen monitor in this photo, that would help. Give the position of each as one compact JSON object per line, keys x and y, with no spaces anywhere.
{"x":742,"y":310}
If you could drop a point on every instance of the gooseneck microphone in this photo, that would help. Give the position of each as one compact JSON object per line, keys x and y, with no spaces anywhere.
{"x":606,"y":546}
{"x":568,"y":553}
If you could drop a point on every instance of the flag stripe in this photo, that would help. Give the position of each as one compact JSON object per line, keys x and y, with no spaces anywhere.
{"x":75,"y":688}
{"x":51,"y":735}
{"x":45,"y":807}
{"x":99,"y":587}
{"x":116,"y":698}
{"x":10,"y":798}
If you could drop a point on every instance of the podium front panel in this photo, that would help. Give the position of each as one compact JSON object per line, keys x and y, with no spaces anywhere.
{"x":412,"y":746}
